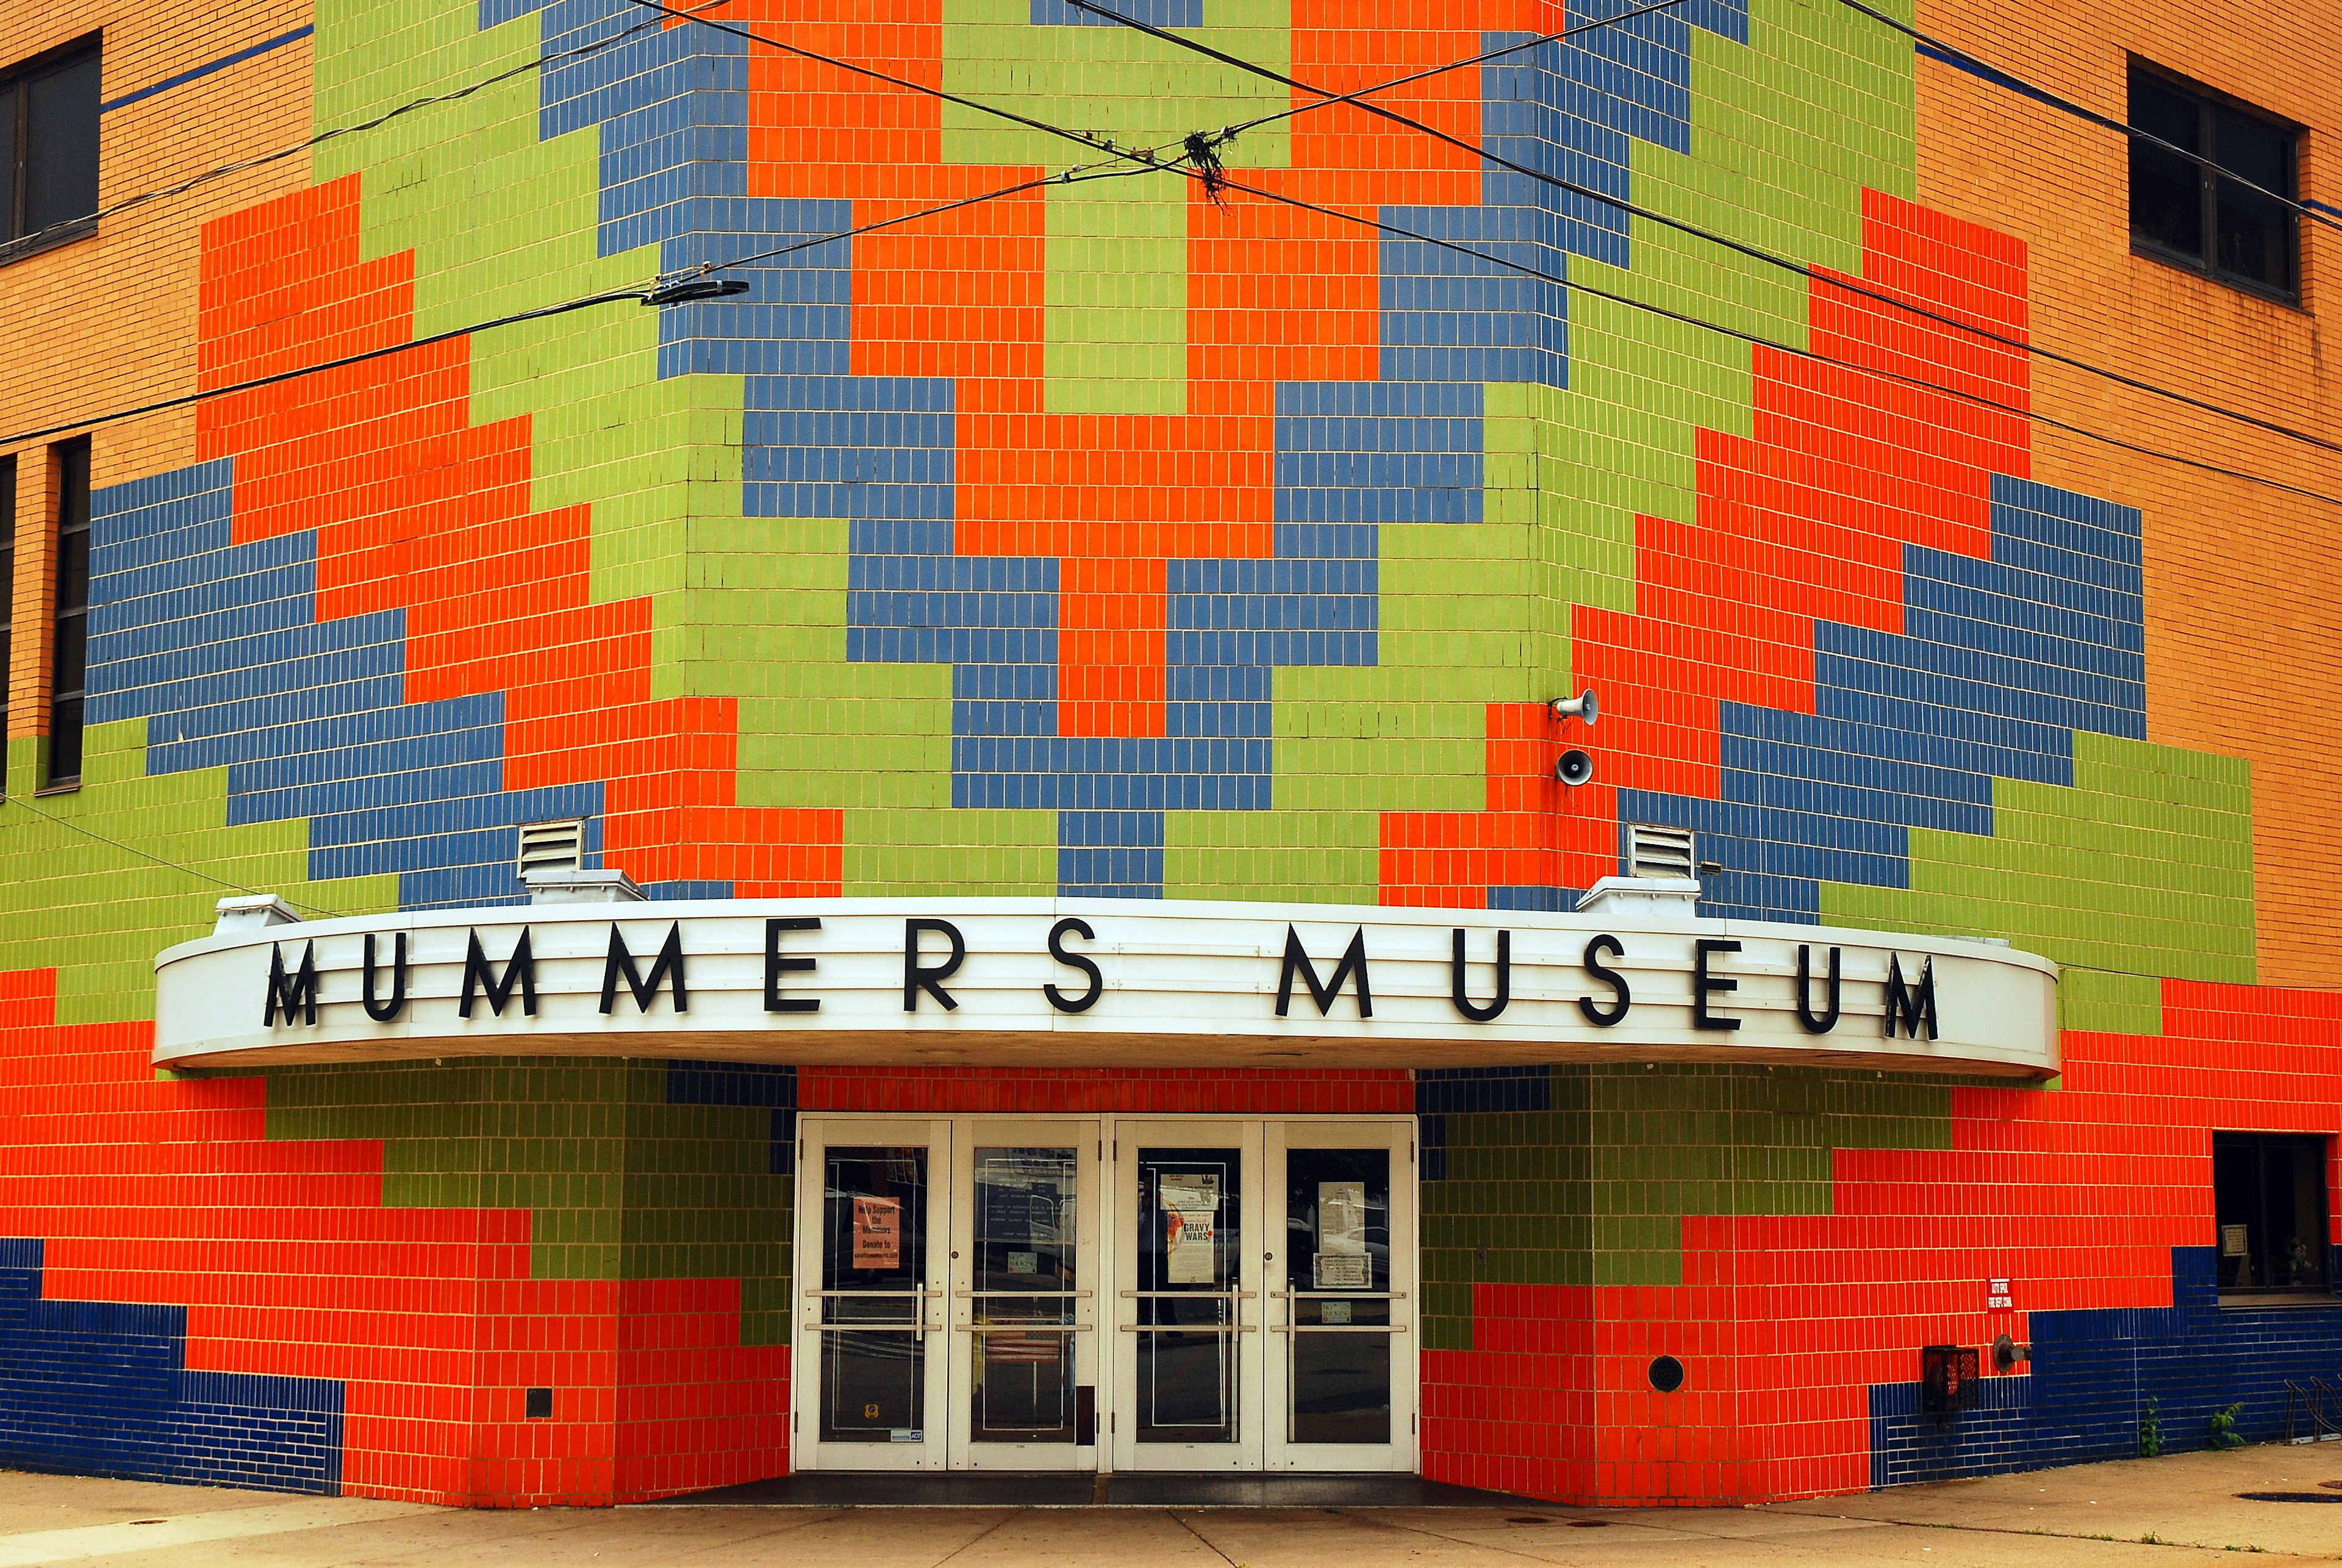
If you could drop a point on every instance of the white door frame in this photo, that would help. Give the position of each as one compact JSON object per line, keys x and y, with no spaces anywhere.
{"x":1086,"y":1136}
{"x":816,"y":1135}
{"x":1242,"y":1134}
{"x":1279,"y":1453}
{"x":1106,"y":1336}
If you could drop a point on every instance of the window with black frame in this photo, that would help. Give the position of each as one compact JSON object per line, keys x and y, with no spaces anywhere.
{"x":8,"y":585}
{"x":48,"y":148}
{"x":2269,"y":1191}
{"x":69,"y":646}
{"x":2213,"y":219}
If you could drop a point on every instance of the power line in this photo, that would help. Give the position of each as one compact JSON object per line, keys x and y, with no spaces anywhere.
{"x":1078,"y":175}
{"x":1758,"y":340}
{"x":158,"y":860}
{"x":1147,"y":159}
{"x":1788,"y":263}
{"x":1214,"y":180}
{"x":1095,"y":143}
{"x":264,"y":159}
{"x":1073,"y":175}
{"x":1953,"y":54}
{"x":640,"y":296}
{"x":1328,"y":101}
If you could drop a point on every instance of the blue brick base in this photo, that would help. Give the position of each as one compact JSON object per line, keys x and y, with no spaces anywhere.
{"x":102,"y":1388}
{"x":2092,"y":1373}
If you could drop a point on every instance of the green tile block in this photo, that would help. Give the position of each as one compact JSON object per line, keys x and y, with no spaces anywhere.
{"x":2142,"y":868}
{"x":619,"y":1184}
{"x":94,"y":883}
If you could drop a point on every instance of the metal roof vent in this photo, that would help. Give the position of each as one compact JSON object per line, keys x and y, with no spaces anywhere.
{"x":552,"y":846}
{"x":1660,"y":851}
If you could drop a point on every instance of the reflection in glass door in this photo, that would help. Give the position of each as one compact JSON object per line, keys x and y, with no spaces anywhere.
{"x":1187,"y":1296}
{"x":871,"y":1298}
{"x":1024,"y":1307}
{"x":1341,"y":1365}
{"x":1184,"y":1294}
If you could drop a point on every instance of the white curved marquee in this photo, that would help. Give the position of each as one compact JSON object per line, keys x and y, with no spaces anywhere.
{"x":1098,"y":981}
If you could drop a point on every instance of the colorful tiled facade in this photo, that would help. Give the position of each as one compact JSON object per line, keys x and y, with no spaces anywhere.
{"x":1117,"y":538}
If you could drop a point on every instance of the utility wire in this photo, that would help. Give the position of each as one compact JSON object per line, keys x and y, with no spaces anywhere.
{"x":1095,"y":143}
{"x":1077,"y":174}
{"x":1214,"y":182}
{"x":205,"y":395}
{"x":158,"y":860}
{"x":1788,"y":263}
{"x":1069,"y":176}
{"x":192,"y":181}
{"x":1428,"y":72}
{"x":1758,"y":340}
{"x":1952,"y":54}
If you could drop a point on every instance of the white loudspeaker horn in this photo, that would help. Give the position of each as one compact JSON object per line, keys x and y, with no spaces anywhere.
{"x":1574,"y":768}
{"x":1582,"y":706}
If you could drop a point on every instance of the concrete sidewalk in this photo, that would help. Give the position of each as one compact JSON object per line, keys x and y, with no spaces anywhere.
{"x":2163,"y":1512}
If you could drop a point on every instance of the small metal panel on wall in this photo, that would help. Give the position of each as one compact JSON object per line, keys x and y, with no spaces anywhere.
{"x":1086,"y":982}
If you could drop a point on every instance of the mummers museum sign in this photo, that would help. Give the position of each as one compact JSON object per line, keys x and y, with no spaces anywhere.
{"x":1096,"y":982}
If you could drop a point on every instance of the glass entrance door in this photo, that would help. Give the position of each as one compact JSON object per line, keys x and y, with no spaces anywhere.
{"x":1168,"y":1293}
{"x":1341,"y":1357}
{"x":871,"y":1264}
{"x":1188,"y":1262}
{"x":1023,"y":1301}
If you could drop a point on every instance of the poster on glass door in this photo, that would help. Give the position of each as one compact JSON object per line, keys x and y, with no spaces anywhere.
{"x":1191,"y":1217}
{"x":878,"y":1233}
{"x":1342,"y":1263}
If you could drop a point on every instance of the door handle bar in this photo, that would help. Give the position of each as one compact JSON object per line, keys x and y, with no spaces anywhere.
{"x":1189,"y":1295}
{"x":1340,"y":1295}
{"x":1024,"y":1296}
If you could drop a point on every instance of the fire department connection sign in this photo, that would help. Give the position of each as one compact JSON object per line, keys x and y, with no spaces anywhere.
{"x":1090,"y":981}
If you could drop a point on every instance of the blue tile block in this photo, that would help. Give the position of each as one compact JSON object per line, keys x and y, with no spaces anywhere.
{"x":1444,"y":1092}
{"x":1538,"y":900}
{"x":216,"y":645}
{"x":102,"y":1388}
{"x":862,"y":448}
{"x":1463,"y":1091}
{"x":2085,"y":1390}
{"x":1380,"y":451}
{"x":1110,"y":854}
{"x":744,"y":1084}
{"x":1154,"y":13}
{"x":2000,"y":663}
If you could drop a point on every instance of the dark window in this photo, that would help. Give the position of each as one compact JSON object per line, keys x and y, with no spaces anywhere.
{"x":69,"y":659}
{"x":8,"y":584}
{"x":2182,"y":212}
{"x":49,"y":146}
{"x":2269,"y":1191}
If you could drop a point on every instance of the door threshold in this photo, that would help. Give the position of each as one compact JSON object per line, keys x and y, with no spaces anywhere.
{"x":1080,"y":1489}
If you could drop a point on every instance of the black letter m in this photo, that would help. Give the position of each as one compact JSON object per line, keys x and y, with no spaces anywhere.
{"x":1902,"y":1003}
{"x":300,"y":991}
{"x":1296,"y":960}
{"x":667,"y":965}
{"x":476,"y":978}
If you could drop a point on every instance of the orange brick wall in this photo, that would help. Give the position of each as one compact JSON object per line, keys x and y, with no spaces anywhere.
{"x":2244,"y":594}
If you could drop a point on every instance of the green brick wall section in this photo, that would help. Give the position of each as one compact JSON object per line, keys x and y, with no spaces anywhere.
{"x":619,"y":1184}
{"x":1594,"y":1190}
{"x":95,"y":881}
{"x":2142,"y":869}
